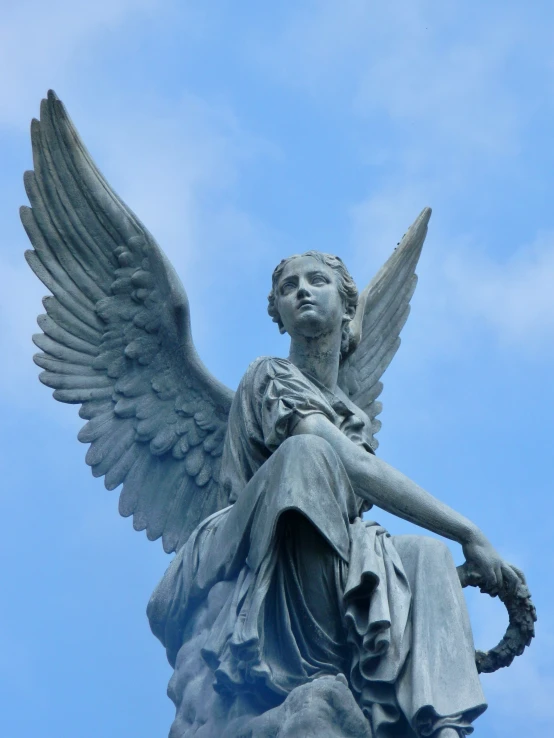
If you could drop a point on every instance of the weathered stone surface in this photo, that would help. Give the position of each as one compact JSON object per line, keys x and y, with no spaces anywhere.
{"x":284,"y":613}
{"x":324,"y":708}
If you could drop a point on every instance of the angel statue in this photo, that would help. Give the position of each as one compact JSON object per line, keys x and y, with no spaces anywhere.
{"x":284,"y":612}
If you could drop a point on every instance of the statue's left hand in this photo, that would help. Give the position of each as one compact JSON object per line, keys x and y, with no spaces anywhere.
{"x":483,"y":559}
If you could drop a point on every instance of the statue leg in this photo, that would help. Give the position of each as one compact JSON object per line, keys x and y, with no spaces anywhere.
{"x":439,"y":689}
{"x":275,"y":558}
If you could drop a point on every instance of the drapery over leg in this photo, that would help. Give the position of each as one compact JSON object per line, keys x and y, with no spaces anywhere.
{"x":404,"y":612}
{"x":439,"y":686}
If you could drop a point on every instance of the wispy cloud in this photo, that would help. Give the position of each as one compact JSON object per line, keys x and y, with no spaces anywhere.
{"x":452,"y":90}
{"x":432,"y":96}
{"x":178,"y":166}
{"x":513,"y":298}
{"x":430,"y":103}
{"x":38,"y":43}
{"x":466,"y":288}
{"x":418,"y":63}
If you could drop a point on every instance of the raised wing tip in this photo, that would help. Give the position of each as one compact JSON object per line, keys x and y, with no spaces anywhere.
{"x":424,"y":217}
{"x":50,"y":104}
{"x":416,"y":233}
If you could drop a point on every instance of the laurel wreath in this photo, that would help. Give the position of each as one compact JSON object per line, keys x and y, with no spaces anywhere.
{"x":521,"y":629}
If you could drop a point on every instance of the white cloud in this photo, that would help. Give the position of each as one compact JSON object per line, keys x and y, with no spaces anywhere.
{"x":426,"y":67}
{"x":379,"y":222}
{"x":443,"y":90}
{"x":39,"y":40}
{"x":178,"y":166}
{"x":463,"y":291}
{"x":453,"y":88}
{"x":514,"y":298}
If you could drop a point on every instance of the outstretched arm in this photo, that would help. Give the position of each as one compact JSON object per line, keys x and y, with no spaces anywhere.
{"x":379,"y":483}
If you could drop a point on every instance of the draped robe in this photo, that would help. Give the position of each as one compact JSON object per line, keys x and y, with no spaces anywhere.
{"x":289,"y":583}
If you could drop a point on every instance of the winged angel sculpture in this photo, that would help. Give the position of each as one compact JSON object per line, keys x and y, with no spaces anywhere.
{"x":284,"y":612}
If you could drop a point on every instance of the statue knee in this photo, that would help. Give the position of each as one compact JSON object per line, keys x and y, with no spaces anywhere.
{"x":423,"y":547}
{"x":434,"y":545}
{"x":311,"y":459}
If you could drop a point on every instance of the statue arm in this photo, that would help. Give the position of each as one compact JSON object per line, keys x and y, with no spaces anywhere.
{"x":383,"y":485}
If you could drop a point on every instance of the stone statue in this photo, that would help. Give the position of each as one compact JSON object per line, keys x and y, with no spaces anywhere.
{"x":283,"y":612}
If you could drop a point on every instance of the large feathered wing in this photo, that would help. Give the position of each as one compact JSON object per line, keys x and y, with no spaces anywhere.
{"x":116,"y":339}
{"x":382,"y":311}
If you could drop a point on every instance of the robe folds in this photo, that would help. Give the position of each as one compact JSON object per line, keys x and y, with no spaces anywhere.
{"x":305,"y":587}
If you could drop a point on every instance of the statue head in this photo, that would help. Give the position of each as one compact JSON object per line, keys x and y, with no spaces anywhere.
{"x":345,"y":287}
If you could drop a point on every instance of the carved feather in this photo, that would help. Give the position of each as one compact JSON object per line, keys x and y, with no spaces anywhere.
{"x":382,"y":311}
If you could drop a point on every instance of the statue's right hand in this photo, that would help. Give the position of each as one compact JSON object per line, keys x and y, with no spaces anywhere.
{"x":483,"y":559}
{"x":484,"y":568}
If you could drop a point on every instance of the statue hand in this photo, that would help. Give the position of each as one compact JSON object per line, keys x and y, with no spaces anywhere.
{"x":483,"y":559}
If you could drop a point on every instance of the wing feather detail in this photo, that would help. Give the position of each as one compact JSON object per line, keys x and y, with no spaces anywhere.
{"x":116,"y":339}
{"x":382,"y":311}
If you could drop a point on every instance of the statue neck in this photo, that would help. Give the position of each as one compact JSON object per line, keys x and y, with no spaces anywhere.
{"x":318,"y":357}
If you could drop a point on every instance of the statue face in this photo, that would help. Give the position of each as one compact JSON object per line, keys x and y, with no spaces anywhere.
{"x":308,"y":299}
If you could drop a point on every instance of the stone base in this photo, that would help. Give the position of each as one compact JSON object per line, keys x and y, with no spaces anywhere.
{"x":324,"y":708}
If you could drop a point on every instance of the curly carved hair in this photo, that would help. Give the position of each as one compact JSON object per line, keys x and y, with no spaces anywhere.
{"x":346,"y":287}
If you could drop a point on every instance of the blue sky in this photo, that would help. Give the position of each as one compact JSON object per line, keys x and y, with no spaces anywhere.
{"x":241,"y":133}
